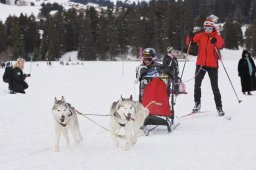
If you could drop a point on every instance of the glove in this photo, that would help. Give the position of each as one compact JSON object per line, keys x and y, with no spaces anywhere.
{"x":191,"y":35}
{"x":213,"y":40}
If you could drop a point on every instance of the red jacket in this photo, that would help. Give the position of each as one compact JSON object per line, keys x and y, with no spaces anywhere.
{"x":207,"y":55}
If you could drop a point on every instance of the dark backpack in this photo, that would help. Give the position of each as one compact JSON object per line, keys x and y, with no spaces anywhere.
{"x":7,"y":74}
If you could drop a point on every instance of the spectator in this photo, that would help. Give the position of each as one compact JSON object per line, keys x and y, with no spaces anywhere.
{"x":171,"y":62}
{"x":17,"y":83}
{"x":246,"y":72}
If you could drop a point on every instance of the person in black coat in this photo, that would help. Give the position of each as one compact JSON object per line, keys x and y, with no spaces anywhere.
{"x":171,"y":62}
{"x":17,"y":83}
{"x":246,"y":71}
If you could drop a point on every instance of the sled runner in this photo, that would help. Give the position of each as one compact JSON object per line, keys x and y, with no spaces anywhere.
{"x":154,"y":94}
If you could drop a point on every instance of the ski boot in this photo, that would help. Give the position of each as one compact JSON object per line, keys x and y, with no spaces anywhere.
{"x":197,"y":107}
{"x":220,"y":111}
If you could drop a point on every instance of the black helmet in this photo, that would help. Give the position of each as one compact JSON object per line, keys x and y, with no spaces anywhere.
{"x":149,"y":52}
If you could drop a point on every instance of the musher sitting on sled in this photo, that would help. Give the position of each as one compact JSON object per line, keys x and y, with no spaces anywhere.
{"x":148,"y":68}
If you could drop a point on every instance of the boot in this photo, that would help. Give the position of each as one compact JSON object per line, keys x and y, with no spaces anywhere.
{"x":197,"y":107}
{"x":220,"y":111}
{"x":249,"y":93}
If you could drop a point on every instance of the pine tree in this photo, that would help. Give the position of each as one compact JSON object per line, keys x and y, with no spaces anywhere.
{"x":3,"y":1}
{"x":253,"y":11}
{"x":232,"y":34}
{"x":55,"y":37}
{"x":250,"y":41}
{"x":3,"y":35}
{"x":16,"y":39}
{"x":102,"y":41}
{"x":71,"y":22}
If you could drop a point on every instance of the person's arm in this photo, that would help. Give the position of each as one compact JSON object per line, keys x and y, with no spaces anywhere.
{"x":253,"y":65}
{"x":197,"y":37}
{"x":18,"y":74}
{"x":219,"y":42}
{"x":239,"y":67}
{"x":165,"y":60}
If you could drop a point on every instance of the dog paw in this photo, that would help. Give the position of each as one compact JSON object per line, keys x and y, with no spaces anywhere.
{"x":126,"y":147}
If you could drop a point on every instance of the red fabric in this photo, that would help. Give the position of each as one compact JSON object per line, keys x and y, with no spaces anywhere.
{"x":156,"y":90}
{"x":207,"y":55}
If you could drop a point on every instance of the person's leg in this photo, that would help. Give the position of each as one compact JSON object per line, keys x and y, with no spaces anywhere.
{"x":213,"y":74}
{"x":199,"y":75}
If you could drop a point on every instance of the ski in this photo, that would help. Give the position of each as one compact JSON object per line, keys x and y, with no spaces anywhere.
{"x":174,"y":126}
{"x":192,"y":113}
{"x":228,"y":117}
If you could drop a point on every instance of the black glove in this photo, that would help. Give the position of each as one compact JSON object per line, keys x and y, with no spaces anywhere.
{"x":191,"y":35}
{"x":213,"y":40}
{"x":27,"y":75}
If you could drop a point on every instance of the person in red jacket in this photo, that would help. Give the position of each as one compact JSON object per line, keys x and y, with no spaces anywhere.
{"x":208,"y":42}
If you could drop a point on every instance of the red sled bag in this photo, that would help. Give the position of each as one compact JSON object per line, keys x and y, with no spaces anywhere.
{"x":156,"y":98}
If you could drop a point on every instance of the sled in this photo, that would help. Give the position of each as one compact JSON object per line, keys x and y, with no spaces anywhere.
{"x":155,"y":96}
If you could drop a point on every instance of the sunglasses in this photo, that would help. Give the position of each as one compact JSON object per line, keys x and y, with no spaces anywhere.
{"x":147,"y":59}
{"x":208,"y":28}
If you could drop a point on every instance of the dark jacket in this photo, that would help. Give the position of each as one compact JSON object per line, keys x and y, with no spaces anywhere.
{"x":248,"y":82}
{"x":150,"y":70}
{"x":172,"y":65}
{"x":17,"y":83}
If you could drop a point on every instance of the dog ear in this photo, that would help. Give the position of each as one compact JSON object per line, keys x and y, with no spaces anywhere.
{"x":122,"y":97}
{"x":62,"y":99}
{"x":131,"y":97}
{"x":55,"y":100}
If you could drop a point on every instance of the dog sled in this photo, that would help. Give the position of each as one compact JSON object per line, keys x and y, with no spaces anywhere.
{"x":154,"y":93}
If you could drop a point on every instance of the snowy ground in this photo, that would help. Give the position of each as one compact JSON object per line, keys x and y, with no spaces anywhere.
{"x":202,"y":142}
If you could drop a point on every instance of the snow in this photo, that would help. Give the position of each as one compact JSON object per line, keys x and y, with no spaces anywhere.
{"x":7,"y":10}
{"x":202,"y":141}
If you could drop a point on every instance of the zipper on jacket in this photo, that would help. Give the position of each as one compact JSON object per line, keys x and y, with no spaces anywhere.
{"x":206,"y":54}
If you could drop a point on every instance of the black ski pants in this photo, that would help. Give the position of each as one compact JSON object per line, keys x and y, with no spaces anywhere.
{"x":213,"y":74}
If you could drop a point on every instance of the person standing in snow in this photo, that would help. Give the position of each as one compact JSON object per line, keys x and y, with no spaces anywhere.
{"x":17,"y":82}
{"x":246,"y":71}
{"x":171,"y":62}
{"x":208,"y":42}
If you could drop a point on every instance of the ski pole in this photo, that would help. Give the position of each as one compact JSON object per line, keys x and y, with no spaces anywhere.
{"x":220,"y":57}
{"x":30,"y":64}
{"x":183,"y":67}
{"x":186,"y":59}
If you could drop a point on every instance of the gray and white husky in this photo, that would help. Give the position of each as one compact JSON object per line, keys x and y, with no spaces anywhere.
{"x":65,"y":118}
{"x":129,"y":115}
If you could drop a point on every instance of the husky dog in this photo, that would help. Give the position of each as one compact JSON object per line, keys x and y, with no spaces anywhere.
{"x":130,"y":116}
{"x":65,"y":118}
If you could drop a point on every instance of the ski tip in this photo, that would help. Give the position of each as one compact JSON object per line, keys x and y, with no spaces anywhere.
{"x":228,"y":117}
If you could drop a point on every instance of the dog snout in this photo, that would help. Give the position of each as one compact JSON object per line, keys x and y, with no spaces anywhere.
{"x":129,"y":114}
{"x":62,"y":118}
